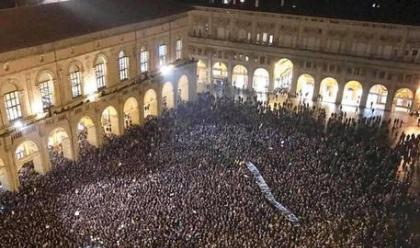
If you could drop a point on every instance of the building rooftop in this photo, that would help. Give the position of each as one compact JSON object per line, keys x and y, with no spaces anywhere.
{"x":35,"y":25}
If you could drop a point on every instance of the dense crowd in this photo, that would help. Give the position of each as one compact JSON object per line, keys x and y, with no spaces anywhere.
{"x":179,"y":181}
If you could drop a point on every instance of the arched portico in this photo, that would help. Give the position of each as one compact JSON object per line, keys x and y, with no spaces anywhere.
{"x":305,"y":87}
{"x":27,"y":154}
{"x":131,"y":113}
{"x":403,"y":100}
{"x":150,"y":103}
{"x":377,"y":97}
{"x":328,"y":90}
{"x":283,"y":73}
{"x":220,"y":73}
{"x":183,"y":89}
{"x":352,"y":95}
{"x":168,"y":99}
{"x":261,"y":80}
{"x":59,"y":142}
{"x":240,"y":77}
{"x":110,"y":121}
{"x":86,"y":131}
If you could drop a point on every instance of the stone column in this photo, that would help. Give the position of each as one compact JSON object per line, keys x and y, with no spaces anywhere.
{"x":389,"y":100}
{"x":363,"y":99}
{"x":317,"y":86}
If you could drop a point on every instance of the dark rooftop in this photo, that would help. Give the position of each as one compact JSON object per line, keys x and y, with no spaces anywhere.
{"x":384,"y":11}
{"x":35,"y":25}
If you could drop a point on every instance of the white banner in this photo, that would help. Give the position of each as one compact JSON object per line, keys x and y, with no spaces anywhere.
{"x":269,"y":196}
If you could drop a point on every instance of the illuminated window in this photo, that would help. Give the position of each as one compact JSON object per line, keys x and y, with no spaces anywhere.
{"x":47,"y":93}
{"x":12,"y":102}
{"x":265,"y":38}
{"x":163,"y":51}
{"x":178,"y":54}
{"x":144,"y":60}
{"x":76,"y":83}
{"x":100,"y":75}
{"x":123,"y":65}
{"x":20,"y":152}
{"x":271,"y":39}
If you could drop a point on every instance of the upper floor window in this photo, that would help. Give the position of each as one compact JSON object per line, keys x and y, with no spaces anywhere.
{"x":76,"y":82}
{"x":123,"y":65}
{"x":13,"y":107}
{"x":178,"y":49}
{"x":271,"y":39}
{"x":163,"y":51}
{"x":144,"y":60}
{"x":46,"y":90}
{"x":100,"y":75}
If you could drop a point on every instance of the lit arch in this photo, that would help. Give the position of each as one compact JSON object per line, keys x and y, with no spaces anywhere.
{"x":220,"y":72}
{"x":110,"y":121}
{"x":26,"y":153}
{"x":183,"y":89}
{"x":305,"y":86}
{"x":150,"y":103}
{"x":261,"y":80}
{"x":3,"y":175}
{"x":240,"y":77}
{"x":328,"y":89}
{"x":352,"y":95}
{"x":283,"y":73}
{"x":202,"y":72}
{"x":59,"y":142}
{"x":86,"y":131}
{"x":377,"y":96}
{"x":131,"y":113}
{"x":168,"y":100}
{"x":403,"y":99}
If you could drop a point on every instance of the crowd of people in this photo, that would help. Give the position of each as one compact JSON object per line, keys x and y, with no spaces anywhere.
{"x":180,"y":181}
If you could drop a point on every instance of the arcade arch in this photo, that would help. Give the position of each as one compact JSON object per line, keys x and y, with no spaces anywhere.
{"x":377,"y":96}
{"x":328,"y":89}
{"x":131,"y":113}
{"x":183,"y":89}
{"x":305,"y":86}
{"x":403,"y":99}
{"x":3,"y":174}
{"x":86,"y":131}
{"x":283,"y":73}
{"x":352,"y":95}
{"x":168,"y":101}
{"x":202,"y":72}
{"x":240,"y":77}
{"x":150,"y":103}
{"x":220,"y":73}
{"x":59,"y":142}
{"x":109,"y":121}
{"x":28,"y":157}
{"x":261,"y":80}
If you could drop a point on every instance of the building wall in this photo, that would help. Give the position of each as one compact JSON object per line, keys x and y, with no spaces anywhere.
{"x":370,"y":53}
{"x":24,"y":69}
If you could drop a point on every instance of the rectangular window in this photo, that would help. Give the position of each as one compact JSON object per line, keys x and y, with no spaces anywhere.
{"x":271,"y":39}
{"x":100,"y":76}
{"x":163,"y":51}
{"x":12,"y":103}
{"x":178,"y":50}
{"x":258,"y":38}
{"x":47,"y":94}
{"x":265,"y":37}
{"x":144,"y":61}
{"x":75,"y":79}
{"x":249,"y":37}
{"x":123,"y":61}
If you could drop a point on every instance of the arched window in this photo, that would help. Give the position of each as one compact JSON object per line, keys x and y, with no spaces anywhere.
{"x":100,"y":73}
{"x":46,"y":90}
{"x":123,"y":65}
{"x":76,"y":81}
{"x":13,"y":106}
{"x":144,"y":60}
{"x":163,"y":52}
